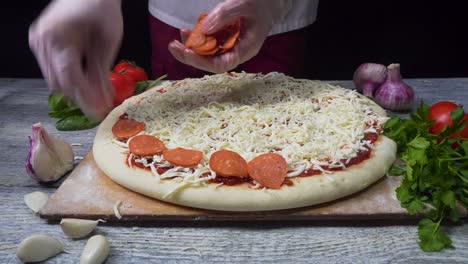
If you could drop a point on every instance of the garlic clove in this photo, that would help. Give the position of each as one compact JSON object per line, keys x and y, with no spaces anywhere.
{"x":49,"y":157}
{"x":36,"y":200}
{"x":96,"y":250}
{"x":38,"y":248}
{"x":78,"y":228}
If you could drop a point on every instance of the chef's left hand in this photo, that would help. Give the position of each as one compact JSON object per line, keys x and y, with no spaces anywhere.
{"x":258,"y":17}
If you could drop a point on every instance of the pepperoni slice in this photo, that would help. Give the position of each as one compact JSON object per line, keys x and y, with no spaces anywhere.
{"x":228,"y":163}
{"x":125,"y":128}
{"x":217,"y":43}
{"x":146,"y":145}
{"x":206,"y":53}
{"x":268,"y":169}
{"x":196,"y":37}
{"x":183,"y":157}
{"x":208,"y":46}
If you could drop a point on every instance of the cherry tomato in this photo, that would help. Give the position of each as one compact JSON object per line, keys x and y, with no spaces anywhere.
{"x":135,"y":73}
{"x":120,"y":66}
{"x":440,"y":112}
{"x":124,"y":87}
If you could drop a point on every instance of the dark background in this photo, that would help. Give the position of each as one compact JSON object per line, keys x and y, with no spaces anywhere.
{"x":427,"y":38}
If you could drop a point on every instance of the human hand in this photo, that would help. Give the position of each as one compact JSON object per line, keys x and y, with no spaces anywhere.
{"x":258,"y":17}
{"x":75,"y":43}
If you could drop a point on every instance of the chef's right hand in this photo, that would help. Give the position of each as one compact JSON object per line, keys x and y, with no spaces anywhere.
{"x":75,"y":43}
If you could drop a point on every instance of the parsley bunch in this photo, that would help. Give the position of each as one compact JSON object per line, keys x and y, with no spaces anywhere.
{"x":435,"y":172}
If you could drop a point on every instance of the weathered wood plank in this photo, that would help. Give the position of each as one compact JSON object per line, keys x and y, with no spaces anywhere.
{"x":23,"y":102}
{"x":353,"y":242}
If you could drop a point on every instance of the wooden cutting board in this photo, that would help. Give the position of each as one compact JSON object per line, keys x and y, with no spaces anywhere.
{"x":89,"y":193}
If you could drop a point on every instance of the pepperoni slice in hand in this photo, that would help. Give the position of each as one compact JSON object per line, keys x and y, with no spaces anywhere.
{"x":209,"y":45}
{"x":183,"y":157}
{"x":146,"y":145}
{"x":228,"y":163}
{"x":125,"y":129}
{"x":217,"y":43}
{"x":196,"y":37}
{"x":269,"y":170}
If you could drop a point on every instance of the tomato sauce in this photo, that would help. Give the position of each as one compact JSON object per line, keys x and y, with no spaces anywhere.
{"x":159,"y":169}
{"x":123,"y":116}
{"x":230,"y":180}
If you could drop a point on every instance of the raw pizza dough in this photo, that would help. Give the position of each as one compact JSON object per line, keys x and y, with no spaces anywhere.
{"x":305,"y":191}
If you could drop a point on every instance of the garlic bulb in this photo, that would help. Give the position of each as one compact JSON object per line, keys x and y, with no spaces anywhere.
{"x":368,"y":77}
{"x":78,"y":228}
{"x":96,"y":250}
{"x":49,"y":158}
{"x":38,"y":248}
{"x":394,"y":94}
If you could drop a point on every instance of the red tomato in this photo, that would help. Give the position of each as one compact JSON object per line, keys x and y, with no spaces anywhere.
{"x":135,"y":73}
{"x":123,"y":87}
{"x":120,"y":66}
{"x":440,"y":112}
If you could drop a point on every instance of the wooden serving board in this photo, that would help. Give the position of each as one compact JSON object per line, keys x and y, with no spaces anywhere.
{"x":89,"y":193}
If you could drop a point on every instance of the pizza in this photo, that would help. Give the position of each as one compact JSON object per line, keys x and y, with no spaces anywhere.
{"x":245,"y":142}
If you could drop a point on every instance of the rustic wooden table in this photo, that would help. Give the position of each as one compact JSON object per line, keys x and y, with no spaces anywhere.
{"x":24,"y":102}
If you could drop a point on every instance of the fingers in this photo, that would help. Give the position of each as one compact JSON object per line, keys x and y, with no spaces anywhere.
{"x":184,"y":34}
{"x":249,"y":43}
{"x":223,"y":14}
{"x":215,"y":64}
{"x":75,"y":83}
{"x":66,"y":66}
{"x":41,"y":51}
{"x":97,"y":99}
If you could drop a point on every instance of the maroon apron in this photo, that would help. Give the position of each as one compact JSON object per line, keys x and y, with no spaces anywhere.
{"x":283,"y":52}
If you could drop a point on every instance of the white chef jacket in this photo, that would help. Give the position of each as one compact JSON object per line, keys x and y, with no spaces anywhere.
{"x":184,"y":13}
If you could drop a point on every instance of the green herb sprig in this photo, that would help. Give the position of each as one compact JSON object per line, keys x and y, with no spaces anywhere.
{"x":435,"y":173}
{"x":71,"y":118}
{"x":69,"y":115}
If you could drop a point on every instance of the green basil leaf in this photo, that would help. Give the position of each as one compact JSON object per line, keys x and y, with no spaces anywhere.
{"x":66,"y":112}
{"x":75,"y":122}
{"x":141,"y":87}
{"x":57,"y":102}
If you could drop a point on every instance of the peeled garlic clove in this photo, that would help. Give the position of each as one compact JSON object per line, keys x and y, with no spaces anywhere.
{"x":38,"y":248}
{"x":96,"y":250}
{"x":36,"y":200}
{"x":78,"y":228}
{"x":49,"y":158}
